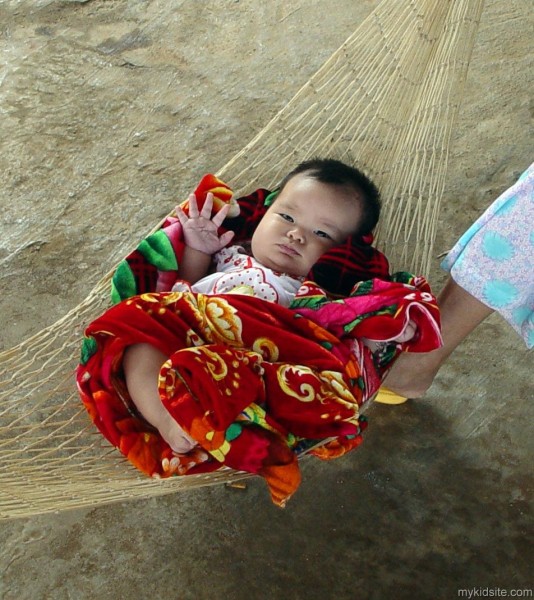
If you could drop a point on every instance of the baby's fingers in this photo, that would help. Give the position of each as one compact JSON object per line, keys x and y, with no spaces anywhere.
{"x":221,"y":215}
{"x":193,"y":206}
{"x":193,"y":210}
{"x":226,"y":238}
{"x":182,"y":217}
{"x":208,"y":205}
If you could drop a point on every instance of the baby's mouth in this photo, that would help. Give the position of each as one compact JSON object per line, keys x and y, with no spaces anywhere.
{"x":289,"y":250}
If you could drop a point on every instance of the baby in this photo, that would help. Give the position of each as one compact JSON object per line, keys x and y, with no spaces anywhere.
{"x":319,"y":205}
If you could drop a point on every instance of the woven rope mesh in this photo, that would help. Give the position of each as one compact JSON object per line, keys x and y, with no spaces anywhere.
{"x":385,"y":100}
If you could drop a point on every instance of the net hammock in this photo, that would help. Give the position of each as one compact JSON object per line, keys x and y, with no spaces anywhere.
{"x":386,"y":100}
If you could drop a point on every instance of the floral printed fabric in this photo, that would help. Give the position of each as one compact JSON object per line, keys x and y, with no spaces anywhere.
{"x":494,"y":258}
{"x":253,"y":382}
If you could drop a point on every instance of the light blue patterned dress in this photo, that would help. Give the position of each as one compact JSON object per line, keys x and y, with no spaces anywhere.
{"x":494,"y":258}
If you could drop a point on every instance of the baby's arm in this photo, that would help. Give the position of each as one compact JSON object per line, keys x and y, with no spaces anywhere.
{"x":142,"y":363}
{"x":201,"y":237}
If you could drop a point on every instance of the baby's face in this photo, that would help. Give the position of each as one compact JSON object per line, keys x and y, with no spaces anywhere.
{"x":305,"y":221}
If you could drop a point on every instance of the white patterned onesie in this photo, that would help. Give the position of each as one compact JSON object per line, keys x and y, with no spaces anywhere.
{"x":238,"y":273}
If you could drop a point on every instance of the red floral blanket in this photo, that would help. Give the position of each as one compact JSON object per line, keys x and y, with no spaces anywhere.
{"x":253,"y":382}
{"x":256,"y":384}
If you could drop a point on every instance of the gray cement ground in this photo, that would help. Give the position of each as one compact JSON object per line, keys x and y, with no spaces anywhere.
{"x":107,"y":109}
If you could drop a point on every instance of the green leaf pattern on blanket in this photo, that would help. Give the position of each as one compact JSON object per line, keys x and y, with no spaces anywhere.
{"x":123,"y":284}
{"x":89,"y":347}
{"x":313,"y":302}
{"x":387,"y":310}
{"x":158,"y":251}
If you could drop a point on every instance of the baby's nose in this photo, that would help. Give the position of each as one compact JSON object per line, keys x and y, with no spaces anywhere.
{"x":296,"y":234}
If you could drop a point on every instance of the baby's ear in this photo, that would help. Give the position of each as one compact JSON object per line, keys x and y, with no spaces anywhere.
{"x":222,"y":194}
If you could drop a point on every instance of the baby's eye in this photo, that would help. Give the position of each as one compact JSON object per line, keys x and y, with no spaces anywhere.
{"x":287,"y":217}
{"x":323,"y":234}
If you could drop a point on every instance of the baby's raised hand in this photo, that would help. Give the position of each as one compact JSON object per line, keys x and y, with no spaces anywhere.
{"x":200,"y":231}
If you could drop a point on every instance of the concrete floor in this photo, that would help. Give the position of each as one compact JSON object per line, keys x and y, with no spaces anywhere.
{"x":109,"y":107}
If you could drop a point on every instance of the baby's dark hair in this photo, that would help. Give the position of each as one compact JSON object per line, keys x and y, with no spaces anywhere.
{"x":335,"y":172}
